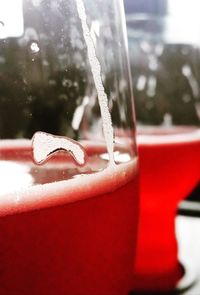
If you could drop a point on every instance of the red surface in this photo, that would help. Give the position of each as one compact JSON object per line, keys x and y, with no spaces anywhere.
{"x":86,"y":247}
{"x":168,"y":173}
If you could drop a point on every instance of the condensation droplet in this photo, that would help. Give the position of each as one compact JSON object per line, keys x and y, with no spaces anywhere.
{"x":153,"y":63}
{"x":145,"y":46}
{"x":52,"y":82}
{"x":151,"y":86}
{"x":159,"y":48}
{"x":36,"y":2}
{"x":34,"y":47}
{"x":63,"y":96}
{"x":2,"y":24}
{"x":45,"y":62}
{"x":185,"y":50}
{"x":141,"y":82}
{"x":30,"y":98}
{"x":149,"y":105}
{"x":75,"y":84}
{"x":2,"y":60}
{"x":167,"y":120}
{"x":197,"y":108}
{"x":186,"y":98}
{"x":186,"y":70}
{"x":66,"y":83}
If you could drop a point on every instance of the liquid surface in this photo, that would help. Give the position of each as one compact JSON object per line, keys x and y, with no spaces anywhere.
{"x":26,"y":184}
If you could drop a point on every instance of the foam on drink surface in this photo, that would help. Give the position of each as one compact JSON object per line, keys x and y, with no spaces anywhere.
{"x":96,"y":72}
{"x":29,"y":195}
{"x":45,"y":145}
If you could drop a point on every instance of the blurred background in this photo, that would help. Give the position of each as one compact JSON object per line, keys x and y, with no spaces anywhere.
{"x":165,"y":66}
{"x":164,"y":50}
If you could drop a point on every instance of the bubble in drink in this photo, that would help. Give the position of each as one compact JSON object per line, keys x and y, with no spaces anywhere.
{"x":96,"y":72}
{"x":45,"y":145}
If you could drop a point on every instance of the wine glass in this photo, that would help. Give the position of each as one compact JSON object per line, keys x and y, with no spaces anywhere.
{"x":165,"y":63}
{"x":68,"y":159}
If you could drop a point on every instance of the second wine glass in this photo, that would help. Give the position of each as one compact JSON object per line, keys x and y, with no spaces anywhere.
{"x":165,"y":60}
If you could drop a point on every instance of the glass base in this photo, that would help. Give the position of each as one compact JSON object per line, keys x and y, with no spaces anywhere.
{"x":187,"y":281}
{"x":167,"y":284}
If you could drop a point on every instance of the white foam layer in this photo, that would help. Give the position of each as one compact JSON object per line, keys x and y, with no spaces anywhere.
{"x":183,"y":137}
{"x":68,"y":191}
{"x":45,"y":145}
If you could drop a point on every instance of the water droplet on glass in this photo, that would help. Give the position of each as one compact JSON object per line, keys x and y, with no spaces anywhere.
{"x":149,"y":105}
{"x":36,"y":2}
{"x":63,"y":97}
{"x":52,"y":82}
{"x":122,"y":85}
{"x":167,"y":120}
{"x":197,"y":108}
{"x":75,"y":84}
{"x":153,"y":63}
{"x":159,"y":48}
{"x":2,"y":24}
{"x":185,"y":50}
{"x":45,"y":62}
{"x":2,"y":60}
{"x":34,"y":47}
{"x":151,"y":86}
{"x":66,"y":83}
{"x":186,"y":70}
{"x":29,"y":98}
{"x":186,"y":98}
{"x":145,"y":46}
{"x":141,"y":82}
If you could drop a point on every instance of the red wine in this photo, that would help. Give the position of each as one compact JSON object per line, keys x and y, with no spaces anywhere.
{"x":66,"y":229}
{"x":169,"y":169}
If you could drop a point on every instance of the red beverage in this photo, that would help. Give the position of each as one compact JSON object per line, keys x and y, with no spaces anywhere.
{"x":66,"y":233}
{"x":169,"y":168}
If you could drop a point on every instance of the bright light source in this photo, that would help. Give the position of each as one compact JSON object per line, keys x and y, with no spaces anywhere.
{"x":11,"y":18}
{"x":183,"y":24}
